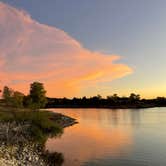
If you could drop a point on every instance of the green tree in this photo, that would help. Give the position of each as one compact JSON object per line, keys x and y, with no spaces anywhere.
{"x":7,"y":95}
{"x":17,"y":99}
{"x":12,"y":98}
{"x":37,"y":95}
{"x":27,"y":101}
{"x":113,"y":98}
{"x":134,"y":97}
{"x":99,"y":97}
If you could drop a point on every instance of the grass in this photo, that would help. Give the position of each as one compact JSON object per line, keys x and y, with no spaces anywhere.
{"x":41,"y":123}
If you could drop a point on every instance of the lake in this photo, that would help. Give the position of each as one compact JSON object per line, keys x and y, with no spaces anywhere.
{"x":105,"y":137}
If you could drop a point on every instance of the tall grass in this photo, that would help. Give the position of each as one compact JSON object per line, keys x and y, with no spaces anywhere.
{"x":41,"y":123}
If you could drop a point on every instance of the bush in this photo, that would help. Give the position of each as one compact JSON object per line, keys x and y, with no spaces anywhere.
{"x":41,"y":124}
{"x":52,"y":158}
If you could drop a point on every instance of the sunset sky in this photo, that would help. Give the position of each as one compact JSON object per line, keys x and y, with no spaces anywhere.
{"x":84,"y":47}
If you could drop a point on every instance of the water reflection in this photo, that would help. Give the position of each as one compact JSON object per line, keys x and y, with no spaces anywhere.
{"x":113,"y":137}
{"x":93,"y":137}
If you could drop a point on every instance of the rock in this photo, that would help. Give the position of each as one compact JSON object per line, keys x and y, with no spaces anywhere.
{"x":29,"y":158}
{"x":17,"y":148}
{"x":21,"y":155}
{"x":36,"y":158}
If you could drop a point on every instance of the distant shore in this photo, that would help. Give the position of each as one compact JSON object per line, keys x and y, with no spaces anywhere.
{"x":106,"y":107}
{"x":111,"y":102}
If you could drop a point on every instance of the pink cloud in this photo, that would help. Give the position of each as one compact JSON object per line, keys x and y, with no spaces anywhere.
{"x":30,"y":51}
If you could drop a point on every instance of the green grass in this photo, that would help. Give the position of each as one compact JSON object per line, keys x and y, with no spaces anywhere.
{"x":41,"y":123}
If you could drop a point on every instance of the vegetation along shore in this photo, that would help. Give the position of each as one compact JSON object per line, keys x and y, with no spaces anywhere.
{"x":24,"y":128}
{"x":113,"y":102}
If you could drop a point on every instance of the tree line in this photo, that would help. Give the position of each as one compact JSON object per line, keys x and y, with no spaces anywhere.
{"x":35,"y":99}
{"x":112,"y":101}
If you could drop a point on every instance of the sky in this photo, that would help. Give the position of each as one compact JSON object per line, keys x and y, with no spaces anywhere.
{"x":84,"y":48}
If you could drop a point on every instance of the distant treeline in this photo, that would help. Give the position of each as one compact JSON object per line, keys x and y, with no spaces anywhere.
{"x":114,"y":101}
{"x":37,"y":99}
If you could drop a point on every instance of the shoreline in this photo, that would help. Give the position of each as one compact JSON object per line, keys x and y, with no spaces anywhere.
{"x":103,"y":107}
{"x":17,"y":147}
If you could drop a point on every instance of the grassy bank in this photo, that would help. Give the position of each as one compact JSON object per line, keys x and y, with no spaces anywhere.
{"x":27,"y":130}
{"x":41,"y":124}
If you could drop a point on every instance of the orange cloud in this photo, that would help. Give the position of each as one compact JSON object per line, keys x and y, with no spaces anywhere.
{"x":30,"y":51}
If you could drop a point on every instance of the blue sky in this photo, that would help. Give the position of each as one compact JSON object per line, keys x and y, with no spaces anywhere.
{"x":133,"y":29}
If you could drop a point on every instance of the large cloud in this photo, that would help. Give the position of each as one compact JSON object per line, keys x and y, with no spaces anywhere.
{"x":30,"y":51}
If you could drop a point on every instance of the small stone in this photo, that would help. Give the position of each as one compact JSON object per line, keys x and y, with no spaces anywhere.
{"x":29,"y":158}
{"x":36,"y":158}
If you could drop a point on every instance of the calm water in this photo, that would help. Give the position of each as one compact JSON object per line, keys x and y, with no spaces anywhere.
{"x":107,"y":137}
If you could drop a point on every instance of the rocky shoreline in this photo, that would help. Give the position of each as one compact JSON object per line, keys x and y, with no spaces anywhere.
{"x":17,"y":155}
{"x":18,"y":149}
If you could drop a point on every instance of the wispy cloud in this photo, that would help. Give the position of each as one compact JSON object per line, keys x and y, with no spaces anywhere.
{"x":31,"y":51}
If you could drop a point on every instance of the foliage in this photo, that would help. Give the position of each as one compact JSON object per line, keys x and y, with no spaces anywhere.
{"x":112,"y":101}
{"x":7,"y":94}
{"x":17,"y":99}
{"x":134,"y":97}
{"x":27,"y":101}
{"x":41,"y":123}
{"x":37,"y":96}
{"x":52,"y":158}
{"x":37,"y":99}
{"x":29,"y":127}
{"x":12,"y":98}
